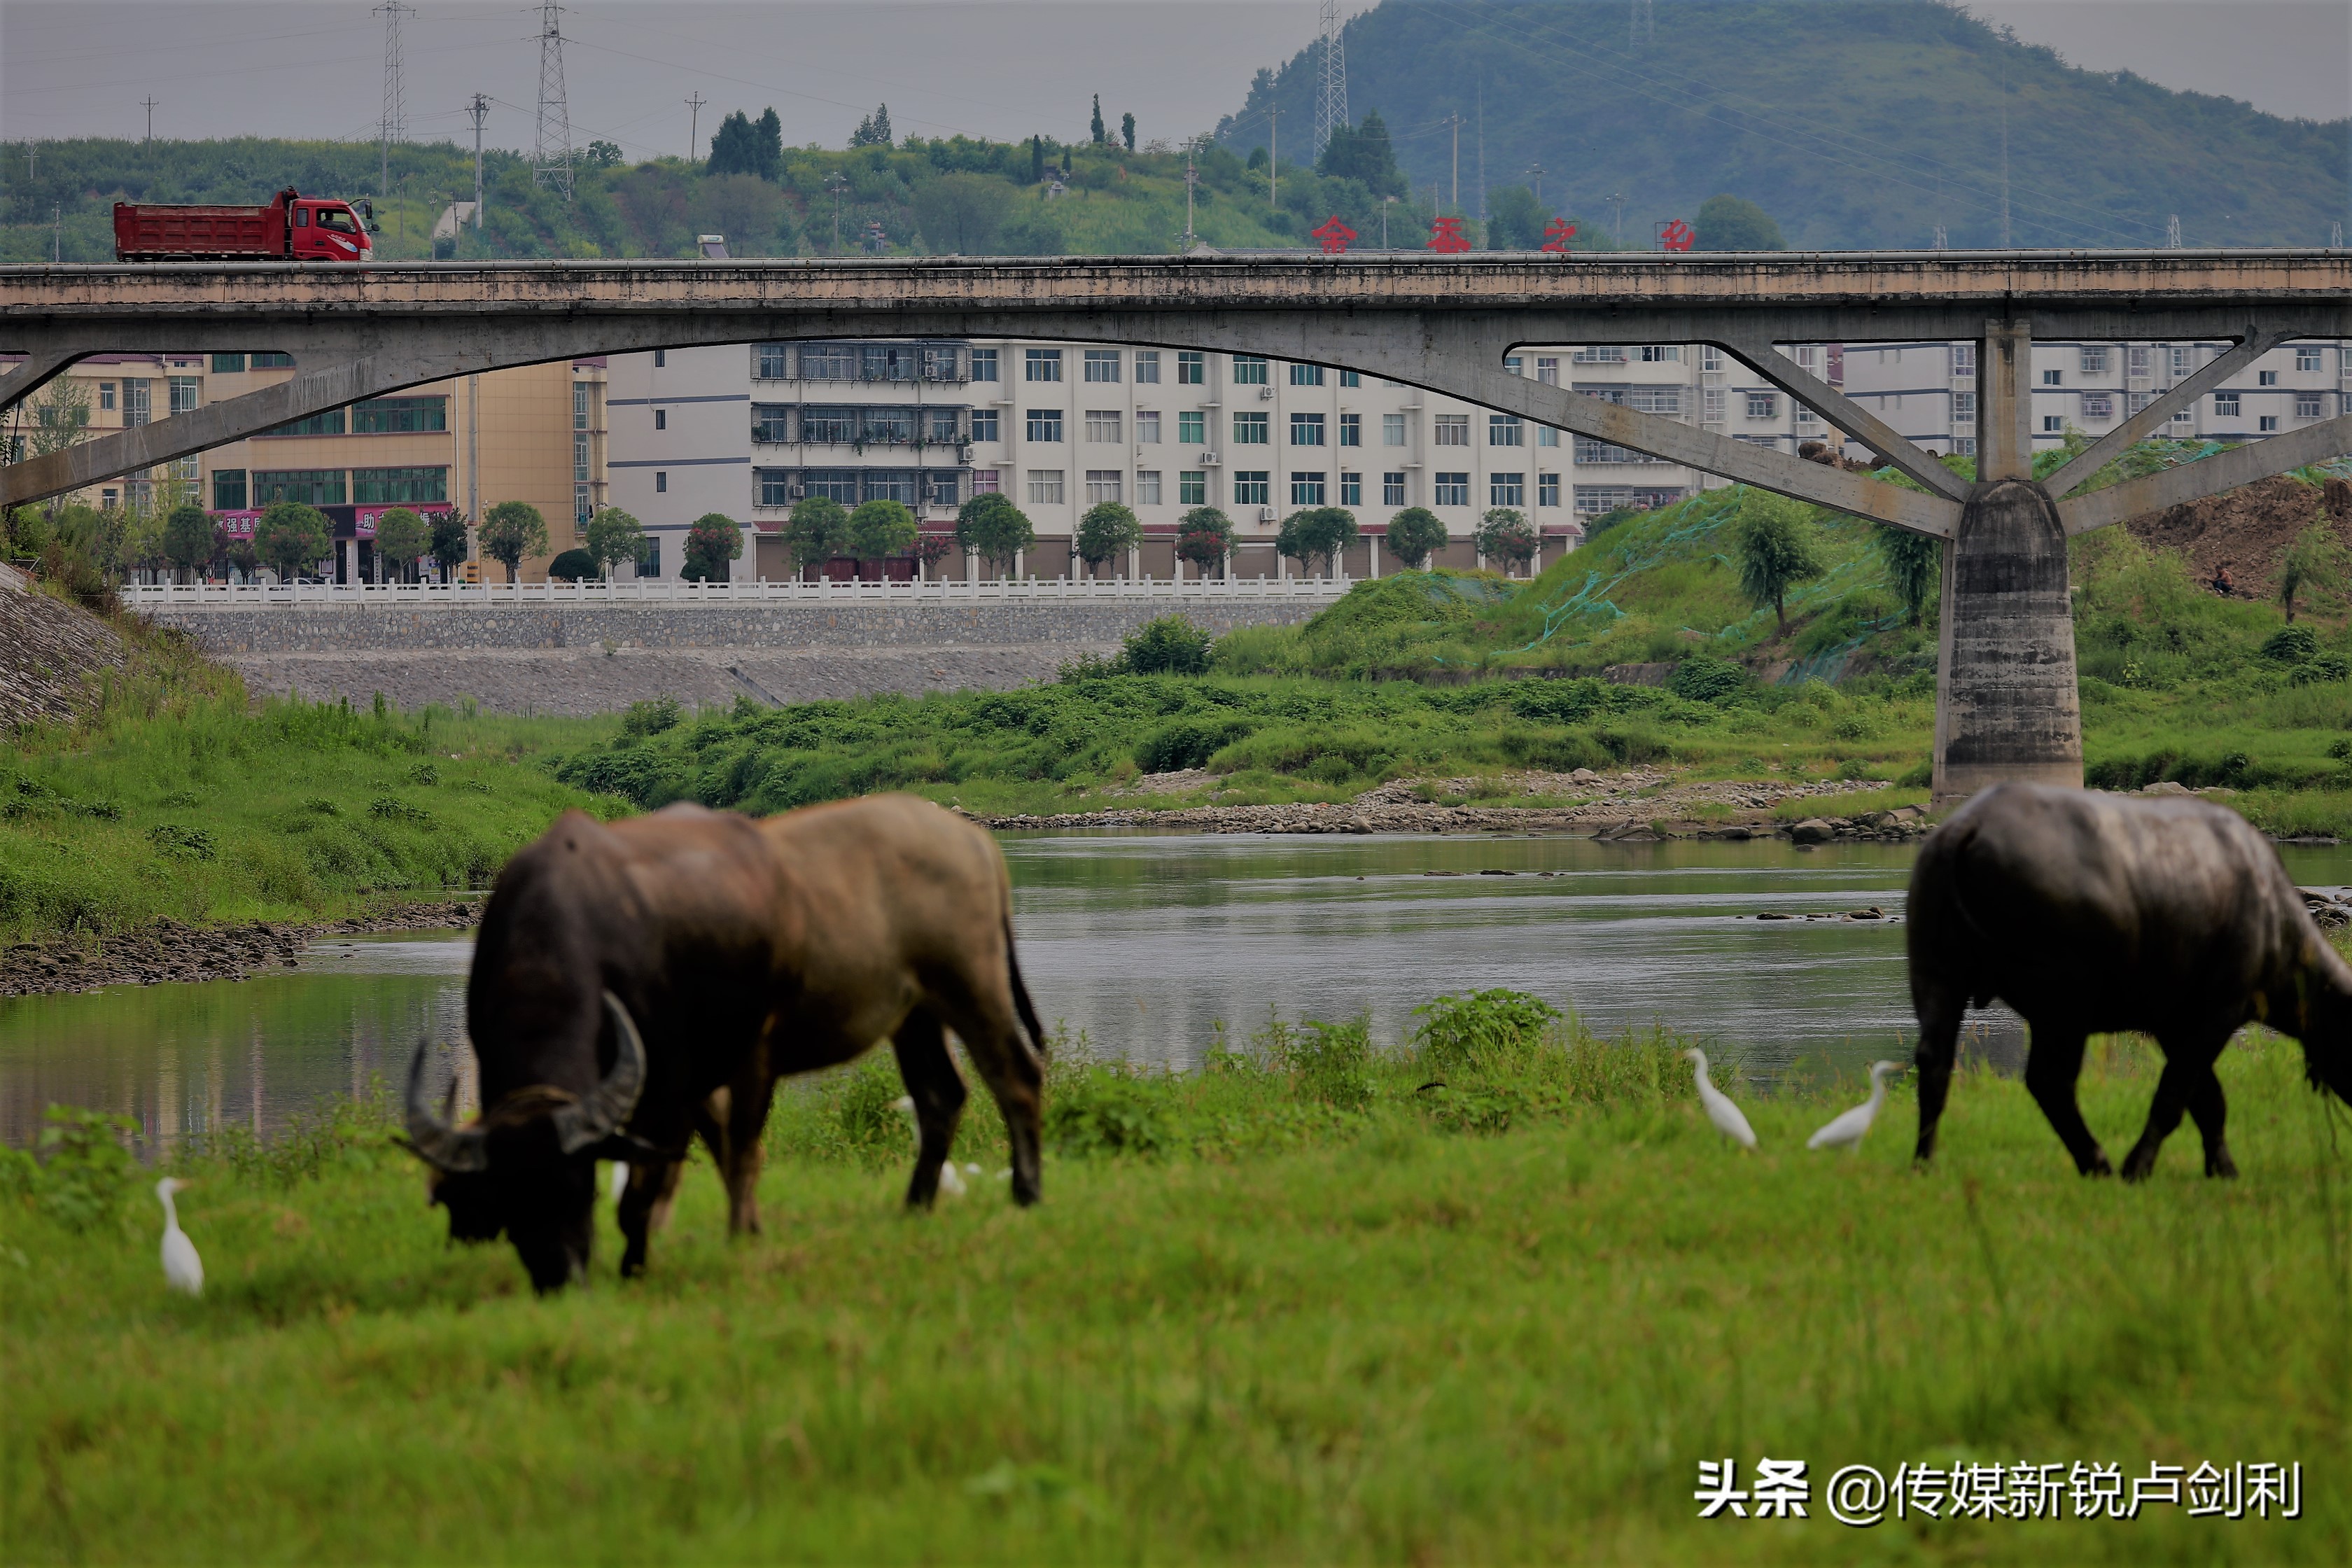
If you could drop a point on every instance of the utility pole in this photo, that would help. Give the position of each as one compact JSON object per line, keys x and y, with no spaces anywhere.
{"x":479,"y":108}
{"x":32,"y":157}
{"x":836,"y":184}
{"x":1617,"y":200}
{"x":394,"y":127}
{"x":1482,"y":149}
{"x":149,"y":103}
{"x":57,"y":233}
{"x":551,"y":158}
{"x":694,"y":124}
{"x":1386,"y":203}
{"x":1455,"y":120}
{"x":1274,"y":159}
{"x":1191,"y":183}
{"x":2004,"y":157}
{"x":1537,"y":171}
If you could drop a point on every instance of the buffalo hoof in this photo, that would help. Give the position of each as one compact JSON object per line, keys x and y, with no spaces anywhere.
{"x":2136,"y":1169}
{"x":2219,"y":1164}
{"x":2098,"y":1166}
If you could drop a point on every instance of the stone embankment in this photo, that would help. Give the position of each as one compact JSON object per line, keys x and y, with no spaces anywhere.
{"x":170,"y":951}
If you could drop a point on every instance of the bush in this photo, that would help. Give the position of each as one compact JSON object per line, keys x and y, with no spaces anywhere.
{"x":1703,"y":680}
{"x":1415,"y":534}
{"x":181,"y":843}
{"x":85,"y":1168}
{"x":1328,"y":1062}
{"x":1105,"y":1109}
{"x":2323,"y":666}
{"x":713,"y":540}
{"x":1187,"y":744}
{"x":574,"y":567}
{"x":1485,"y":1032}
{"x":649,"y":718}
{"x":2290,"y":645}
{"x":1169,"y":645}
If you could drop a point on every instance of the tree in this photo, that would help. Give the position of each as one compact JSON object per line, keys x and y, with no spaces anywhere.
{"x":401,"y":537}
{"x":573,"y":566}
{"x":1036,"y":160}
{"x":1097,"y":126}
{"x":60,"y":416}
{"x":1728,"y":223}
{"x":743,"y":146}
{"x":1505,"y":535}
{"x":601,"y":155}
{"x":1515,"y":219}
{"x":748,"y":211}
{"x":881,"y":528}
{"x":2314,"y":558}
{"x":1774,"y":542}
{"x":1415,"y":534}
{"x":991,"y":527}
{"x":961,"y":214}
{"x":873,"y":131}
{"x":1204,"y":536}
{"x":1169,"y":645}
{"x":1915,"y":564}
{"x":188,"y":540}
{"x":817,"y":531}
{"x":1126,"y":131}
{"x":511,"y":531}
{"x":1362,"y":153}
{"x":713,"y":540}
{"x":291,"y":536}
{"x":450,"y":547}
{"x":1107,"y":532}
{"x":1318,"y":532}
{"x":613,"y":536}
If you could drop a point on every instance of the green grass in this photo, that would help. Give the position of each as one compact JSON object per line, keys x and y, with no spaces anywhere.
{"x":1283,"y":1310}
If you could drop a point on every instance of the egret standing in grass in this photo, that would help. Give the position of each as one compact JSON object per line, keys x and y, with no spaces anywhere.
{"x":183,"y":1271}
{"x":1846,"y":1130}
{"x":1720,"y":1108}
{"x":950,"y":1179}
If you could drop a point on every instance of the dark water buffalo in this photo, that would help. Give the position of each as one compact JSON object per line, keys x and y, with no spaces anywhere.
{"x":2093,"y":913}
{"x":743,"y":950}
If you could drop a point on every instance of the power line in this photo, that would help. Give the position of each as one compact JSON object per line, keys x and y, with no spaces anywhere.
{"x":551,"y":157}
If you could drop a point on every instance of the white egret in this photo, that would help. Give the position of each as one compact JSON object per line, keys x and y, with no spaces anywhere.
{"x":1845,"y":1131}
{"x":183,"y":1271}
{"x":618,"y":1181}
{"x":950,"y":1179}
{"x":1720,"y":1110}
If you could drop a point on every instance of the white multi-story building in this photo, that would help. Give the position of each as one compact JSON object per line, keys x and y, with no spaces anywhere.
{"x":746,"y":430}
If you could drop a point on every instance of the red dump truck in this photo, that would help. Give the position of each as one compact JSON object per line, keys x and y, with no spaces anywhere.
{"x":292,"y":227}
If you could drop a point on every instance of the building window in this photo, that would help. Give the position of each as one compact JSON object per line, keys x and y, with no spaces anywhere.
{"x":2306,"y":356}
{"x":1452,"y":490}
{"x":581,"y":403}
{"x":1592,"y":501}
{"x":1046,"y":486}
{"x":1351,"y":429}
{"x":1504,"y":430}
{"x":1710,"y":403}
{"x":987,"y":481}
{"x":1307,"y":429}
{"x":1045,"y":425}
{"x":2052,"y":424}
{"x":1249,"y":370}
{"x":1654,"y":399}
{"x":1598,"y":356}
{"x":331,"y":422}
{"x":832,"y":484}
{"x":648,"y":557}
{"x":946,"y":428}
{"x":2261,"y":378}
{"x":1513,"y":365}
{"x":2306,"y":405}
{"x":890,"y":484}
{"x":182,"y":390}
{"x":939,"y":362}
{"x":1964,"y":445}
{"x":828,"y":361}
{"x":2099,"y":406}
{"x":1041,"y":364}
{"x":828,"y":425}
{"x":2225,"y":406}
{"x":1964,"y":407}
{"x":1808,"y":358}
{"x":1391,"y":430}
{"x":1102,"y":424}
{"x":1307,"y":489}
{"x":1146,"y":427}
{"x":1249,"y":430}
{"x":580,"y":474}
{"x":2053,"y":378}
{"x":1548,"y":369}
{"x":228,"y":364}
{"x":315,"y":487}
{"x":939,"y":487}
{"x":1547,"y":436}
{"x":1964,"y":359}
{"x":1193,"y":430}
{"x":228,"y":490}
{"x":1763,"y":404}
{"x":1451,"y":430}
{"x":661,"y":359}
{"x":1710,"y":358}
{"x":2181,"y":361}
{"x":2094,"y":362}
{"x":272,"y":360}
{"x":886,"y":362}
{"x":1191,"y":489}
{"x":1104,"y":484}
{"x":1192,"y":368}
{"x":1392,"y":487}
{"x":1589,"y":450}
{"x":1147,"y":486}
{"x":403,"y":415}
{"x":984,"y":426}
{"x":661,"y":418}
{"x":1307,"y":376}
{"x":769,"y":361}
{"x":1146,"y":367}
{"x":1102,"y":365}
{"x":1547,"y":489}
{"x":1351,"y":378}
{"x":2136,"y":360}
{"x":1252,"y":487}
{"x":774,"y":486}
{"x":661,"y":482}
{"x":1661,"y":353}
{"x":2183,"y":416}
{"x":2266,"y":423}
{"x":1507,"y":489}
{"x":983,"y":364}
{"x":1351,"y":489}
{"x":583,"y":505}
{"x":138,"y":404}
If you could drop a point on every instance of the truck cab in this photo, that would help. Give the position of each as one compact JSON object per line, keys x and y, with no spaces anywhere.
{"x":326,"y":230}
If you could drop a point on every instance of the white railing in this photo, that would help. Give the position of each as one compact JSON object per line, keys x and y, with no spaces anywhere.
{"x":672,"y":591}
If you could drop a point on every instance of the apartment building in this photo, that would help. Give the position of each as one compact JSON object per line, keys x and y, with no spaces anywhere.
{"x":745,"y":430}
{"x":535,"y":434}
{"x":1928,"y":390}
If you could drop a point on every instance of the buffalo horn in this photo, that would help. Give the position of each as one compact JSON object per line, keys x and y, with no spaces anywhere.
{"x":432,"y":1140}
{"x":595,"y":1118}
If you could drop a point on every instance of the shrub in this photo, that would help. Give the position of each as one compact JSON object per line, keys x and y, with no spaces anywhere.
{"x":1505,"y":537}
{"x":1187,"y":744}
{"x":85,"y":1169}
{"x":178,"y":842}
{"x":2290,"y":645}
{"x":391,"y":808}
{"x":1704,"y":679}
{"x":1486,"y":1031}
{"x":1169,"y":645}
{"x":574,"y":567}
{"x":880,"y":530}
{"x":712,"y":542}
{"x":1328,"y":1062}
{"x":1105,"y":1109}
{"x":1204,"y":537}
{"x":649,"y":718}
{"x":2323,"y":666}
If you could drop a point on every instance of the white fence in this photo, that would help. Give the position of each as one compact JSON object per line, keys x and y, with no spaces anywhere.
{"x":675,"y":591}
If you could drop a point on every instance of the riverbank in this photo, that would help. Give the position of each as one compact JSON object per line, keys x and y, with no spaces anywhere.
{"x":171,"y":952}
{"x":1289,"y":1307}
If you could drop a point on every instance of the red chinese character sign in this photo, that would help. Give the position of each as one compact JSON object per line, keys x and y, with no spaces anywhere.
{"x":1558,"y":233}
{"x":1334,"y":235}
{"x":1445,"y":237}
{"x":1676,"y":236}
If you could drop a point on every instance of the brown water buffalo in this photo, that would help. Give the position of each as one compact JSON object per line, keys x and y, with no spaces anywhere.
{"x":743,"y":951}
{"x":2090,"y":913}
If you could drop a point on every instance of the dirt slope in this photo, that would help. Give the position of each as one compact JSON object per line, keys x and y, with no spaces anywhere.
{"x":2246,"y":528}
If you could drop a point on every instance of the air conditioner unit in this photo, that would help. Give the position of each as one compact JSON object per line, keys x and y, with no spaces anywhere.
{"x":1208,"y":459}
{"x":1266,"y":514}
{"x":1265,"y":393}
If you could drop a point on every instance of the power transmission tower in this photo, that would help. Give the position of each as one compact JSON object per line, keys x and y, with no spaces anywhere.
{"x":1537,"y":171}
{"x":148,"y":104}
{"x":479,"y":108}
{"x":1642,"y":27}
{"x":394,"y":127}
{"x":1331,"y":103}
{"x":551,"y":157}
{"x":1455,"y":203}
{"x":694,"y":124}
{"x":1941,"y":244}
{"x":2172,"y":232}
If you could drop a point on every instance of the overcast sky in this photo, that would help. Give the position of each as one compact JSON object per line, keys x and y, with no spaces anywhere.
{"x":278,"y":68}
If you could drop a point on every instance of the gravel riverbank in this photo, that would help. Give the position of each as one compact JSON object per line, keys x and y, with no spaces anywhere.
{"x":172,"y":951}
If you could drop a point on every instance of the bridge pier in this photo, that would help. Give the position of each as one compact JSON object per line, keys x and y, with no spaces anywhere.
{"x":2006,"y":703}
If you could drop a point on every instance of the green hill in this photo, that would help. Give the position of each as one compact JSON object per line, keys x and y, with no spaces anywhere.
{"x":1855,"y":123}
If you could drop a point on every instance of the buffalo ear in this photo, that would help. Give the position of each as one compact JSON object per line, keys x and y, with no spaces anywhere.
{"x":631,"y":1150}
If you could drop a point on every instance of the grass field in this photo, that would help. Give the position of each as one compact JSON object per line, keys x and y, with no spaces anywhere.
{"x":1283,"y":1310}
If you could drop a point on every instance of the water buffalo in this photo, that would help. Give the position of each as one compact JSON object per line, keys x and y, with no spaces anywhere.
{"x":2090,"y":913}
{"x":743,"y":950}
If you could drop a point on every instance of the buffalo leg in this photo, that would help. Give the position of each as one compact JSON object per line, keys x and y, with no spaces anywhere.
{"x":937,"y":1092}
{"x":1939,"y":1012}
{"x":2201,"y":1092}
{"x":747,"y":1102}
{"x":645,"y":1208}
{"x":991,"y":1033}
{"x":2053,"y":1061}
{"x":2163,"y":1116}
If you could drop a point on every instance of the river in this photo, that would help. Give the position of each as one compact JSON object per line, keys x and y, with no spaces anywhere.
{"x":1144,"y":943}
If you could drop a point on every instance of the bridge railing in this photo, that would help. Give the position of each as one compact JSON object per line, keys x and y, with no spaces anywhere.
{"x":675,"y":592}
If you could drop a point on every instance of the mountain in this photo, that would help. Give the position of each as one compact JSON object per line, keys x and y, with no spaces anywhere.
{"x":1855,"y":123}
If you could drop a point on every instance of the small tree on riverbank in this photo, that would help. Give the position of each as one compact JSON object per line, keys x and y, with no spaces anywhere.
{"x":1320,"y":532}
{"x":880,"y":530}
{"x":401,"y":538}
{"x":2316,"y":559}
{"x":715,"y":539}
{"x":1105,"y":533}
{"x":1205,"y":538}
{"x":1415,"y":534}
{"x":451,"y":546}
{"x":1776,"y":551}
{"x":613,"y":536}
{"x":817,"y":531}
{"x":1914,"y":564}
{"x":1505,"y":535}
{"x":511,"y":531}
{"x":293,"y":536}
{"x":189,"y":542}
{"x":991,"y":527}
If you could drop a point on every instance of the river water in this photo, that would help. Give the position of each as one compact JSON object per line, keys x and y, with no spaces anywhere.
{"x":1145,"y":944}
